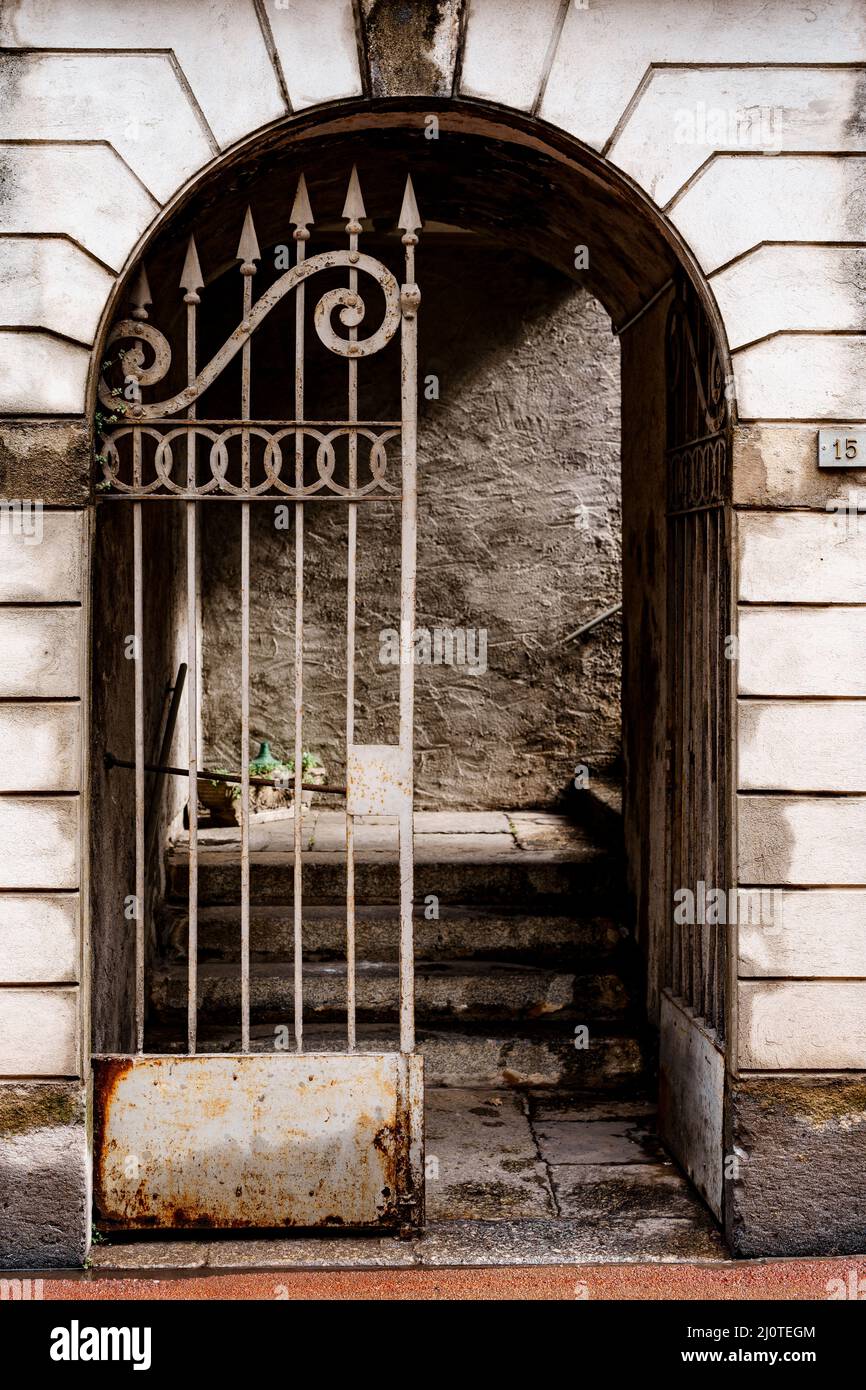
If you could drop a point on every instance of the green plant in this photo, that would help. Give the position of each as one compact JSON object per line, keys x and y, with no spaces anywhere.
{"x":102,"y":419}
{"x":233,"y":788}
{"x":270,"y":767}
{"x":285,"y":767}
{"x":308,"y":762}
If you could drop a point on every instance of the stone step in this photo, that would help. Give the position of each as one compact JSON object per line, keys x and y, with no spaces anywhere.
{"x":538,"y":885}
{"x":598,"y":808}
{"x":443,"y":990}
{"x":461,"y":932}
{"x":540,"y":860}
{"x":542,"y":1055}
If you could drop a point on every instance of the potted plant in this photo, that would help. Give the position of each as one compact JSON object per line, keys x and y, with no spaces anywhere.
{"x":221,"y":799}
{"x":282,"y":771}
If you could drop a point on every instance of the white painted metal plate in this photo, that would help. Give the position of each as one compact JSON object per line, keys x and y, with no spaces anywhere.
{"x":264,"y":1140}
{"x":845,"y":448}
{"x":379,"y":780}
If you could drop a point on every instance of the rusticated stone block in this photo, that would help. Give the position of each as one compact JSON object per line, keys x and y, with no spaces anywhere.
{"x":800,"y":1186}
{"x":49,"y":460}
{"x":44,"y":1175}
{"x":777,"y":466}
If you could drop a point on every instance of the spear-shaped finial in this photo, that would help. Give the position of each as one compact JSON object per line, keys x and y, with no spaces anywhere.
{"x":140,"y":296}
{"x":191,"y":277}
{"x":409,"y":220}
{"x":248,"y":247}
{"x":354,"y":208}
{"x":302,"y":214}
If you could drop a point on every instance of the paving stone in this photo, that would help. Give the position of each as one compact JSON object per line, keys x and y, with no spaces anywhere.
{"x":566,"y":1241}
{"x":625,"y":1190}
{"x":597,"y":1141}
{"x":555,"y":1107}
{"x":462,"y":822}
{"x":536,"y":831}
{"x":481,"y":1157}
{"x":159,"y":1252}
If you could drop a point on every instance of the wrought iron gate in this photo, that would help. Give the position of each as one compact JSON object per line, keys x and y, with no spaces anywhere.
{"x":698,"y":664}
{"x":269,"y":1139}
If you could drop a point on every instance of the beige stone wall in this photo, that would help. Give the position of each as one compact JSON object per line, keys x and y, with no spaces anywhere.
{"x":106,"y":112}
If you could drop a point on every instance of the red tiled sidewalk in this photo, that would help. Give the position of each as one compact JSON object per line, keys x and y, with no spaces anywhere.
{"x":775,"y":1279}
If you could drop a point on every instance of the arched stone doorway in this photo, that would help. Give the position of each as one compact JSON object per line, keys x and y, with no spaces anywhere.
{"x":504,"y":180}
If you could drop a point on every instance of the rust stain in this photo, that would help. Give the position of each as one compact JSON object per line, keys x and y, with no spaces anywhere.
{"x":210,"y":1153}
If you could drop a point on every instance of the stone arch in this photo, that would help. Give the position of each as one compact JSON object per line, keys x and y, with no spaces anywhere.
{"x":638,"y":248}
{"x":533,"y":187}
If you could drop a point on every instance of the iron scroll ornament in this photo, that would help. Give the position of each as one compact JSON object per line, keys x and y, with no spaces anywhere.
{"x":349,"y":303}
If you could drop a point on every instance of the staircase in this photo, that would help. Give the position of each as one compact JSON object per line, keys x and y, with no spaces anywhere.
{"x":518,"y":940}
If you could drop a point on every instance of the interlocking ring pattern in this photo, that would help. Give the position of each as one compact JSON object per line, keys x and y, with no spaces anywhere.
{"x":698,"y":474}
{"x":167,"y":469}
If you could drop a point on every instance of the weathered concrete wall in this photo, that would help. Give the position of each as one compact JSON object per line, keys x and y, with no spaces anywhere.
{"x":44,"y":1174}
{"x":519,"y":535}
{"x":800,"y":1146}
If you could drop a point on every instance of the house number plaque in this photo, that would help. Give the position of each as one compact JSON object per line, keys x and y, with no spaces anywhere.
{"x":842,"y":448}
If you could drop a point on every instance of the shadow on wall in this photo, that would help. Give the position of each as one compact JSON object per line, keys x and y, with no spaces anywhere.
{"x":518,"y":544}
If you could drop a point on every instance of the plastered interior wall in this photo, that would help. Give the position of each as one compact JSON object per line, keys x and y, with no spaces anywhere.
{"x":519,"y":536}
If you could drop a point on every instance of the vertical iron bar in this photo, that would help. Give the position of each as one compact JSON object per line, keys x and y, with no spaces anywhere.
{"x":408,"y":542}
{"x":699,"y":824}
{"x":301,"y":235}
{"x":192,"y":744}
{"x":723,"y":572}
{"x":351,"y":573}
{"x":686,"y":812}
{"x":192,"y":652}
{"x":709,"y":794}
{"x":192,"y":282}
{"x":672,"y":974}
{"x":247,"y":270}
{"x":138,"y":623}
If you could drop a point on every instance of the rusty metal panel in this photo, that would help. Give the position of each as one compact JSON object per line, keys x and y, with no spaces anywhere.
{"x":265,"y":1140}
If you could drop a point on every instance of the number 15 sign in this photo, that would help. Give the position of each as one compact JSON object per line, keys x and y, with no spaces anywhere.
{"x":842,"y":448}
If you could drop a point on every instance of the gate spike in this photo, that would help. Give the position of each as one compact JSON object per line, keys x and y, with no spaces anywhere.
{"x":139,"y":295}
{"x":248,"y":246}
{"x":354,"y":206}
{"x":191,"y":277}
{"x":302,"y":214}
{"x":409,"y":220}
